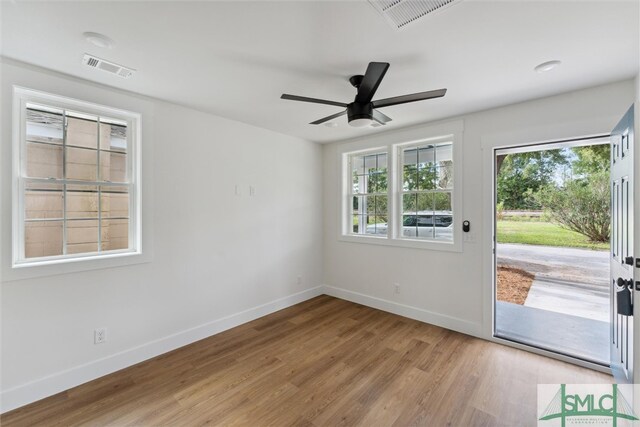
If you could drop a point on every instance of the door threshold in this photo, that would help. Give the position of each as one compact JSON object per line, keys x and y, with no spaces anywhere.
{"x":554,"y":354}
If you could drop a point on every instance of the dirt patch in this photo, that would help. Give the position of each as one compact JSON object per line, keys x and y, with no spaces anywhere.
{"x":513,"y":284}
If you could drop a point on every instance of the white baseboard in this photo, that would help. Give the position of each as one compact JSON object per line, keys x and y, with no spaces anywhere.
{"x":27,"y":393}
{"x":442,"y":320}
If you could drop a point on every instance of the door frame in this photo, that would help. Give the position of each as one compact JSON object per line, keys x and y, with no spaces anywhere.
{"x":490,"y":144}
{"x":574,"y":142}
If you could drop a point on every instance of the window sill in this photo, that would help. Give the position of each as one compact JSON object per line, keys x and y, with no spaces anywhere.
{"x":51,"y":267}
{"x":79,"y":258}
{"x":402,"y":243}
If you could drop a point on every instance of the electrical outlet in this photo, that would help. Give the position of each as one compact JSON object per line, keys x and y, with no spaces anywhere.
{"x":396,"y":288}
{"x":100,"y":335}
{"x":299,"y":280}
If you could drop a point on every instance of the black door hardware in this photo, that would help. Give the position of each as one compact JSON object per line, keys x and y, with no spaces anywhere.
{"x":628,"y":260}
{"x":466,"y":226}
{"x":623,"y":297}
{"x":624,"y":283}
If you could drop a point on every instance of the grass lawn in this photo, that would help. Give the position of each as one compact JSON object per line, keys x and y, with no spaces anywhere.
{"x":544,"y":234}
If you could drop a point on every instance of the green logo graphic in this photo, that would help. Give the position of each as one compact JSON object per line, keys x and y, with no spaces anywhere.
{"x":564,"y":406}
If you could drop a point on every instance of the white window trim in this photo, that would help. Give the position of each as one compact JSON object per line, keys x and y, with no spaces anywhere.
{"x":23,"y":96}
{"x":393,"y":143}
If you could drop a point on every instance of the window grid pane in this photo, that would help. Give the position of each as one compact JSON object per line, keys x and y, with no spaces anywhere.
{"x":82,"y":236}
{"x":43,"y":238}
{"x":44,"y":160}
{"x":62,"y":151}
{"x":115,"y":234}
{"x":43,"y":201}
{"x":81,"y":164}
{"x":81,"y":201}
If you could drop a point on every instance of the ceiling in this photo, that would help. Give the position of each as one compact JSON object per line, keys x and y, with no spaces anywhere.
{"x":235,"y":58}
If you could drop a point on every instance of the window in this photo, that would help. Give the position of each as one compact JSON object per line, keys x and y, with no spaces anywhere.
{"x":77,"y":180}
{"x":404,"y":193}
{"x":426,"y":194}
{"x":368,"y":193}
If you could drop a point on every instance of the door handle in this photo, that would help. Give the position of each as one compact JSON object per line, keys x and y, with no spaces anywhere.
{"x":628,"y":260}
{"x":624,"y":297}
{"x":624,"y":283}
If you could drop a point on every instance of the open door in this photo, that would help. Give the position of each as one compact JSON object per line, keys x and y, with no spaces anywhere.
{"x":622,"y":258}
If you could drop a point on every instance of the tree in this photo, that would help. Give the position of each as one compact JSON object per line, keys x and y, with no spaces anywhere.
{"x":521,"y":175}
{"x":581,"y":205}
{"x":591,"y":159}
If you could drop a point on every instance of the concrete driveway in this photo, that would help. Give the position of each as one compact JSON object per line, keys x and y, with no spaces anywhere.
{"x":567,"y":280}
{"x":567,"y":264}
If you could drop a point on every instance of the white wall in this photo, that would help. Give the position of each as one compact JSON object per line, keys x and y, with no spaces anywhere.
{"x":213,"y":259}
{"x":454,"y":289}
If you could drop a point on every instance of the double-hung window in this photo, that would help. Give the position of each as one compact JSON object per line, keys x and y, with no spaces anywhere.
{"x":77,"y":182}
{"x":404,"y":193}
{"x":367,"y":194}
{"x":427,"y":189}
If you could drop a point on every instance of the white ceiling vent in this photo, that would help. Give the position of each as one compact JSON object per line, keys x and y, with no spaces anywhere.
{"x":400,"y":13}
{"x":109,"y":67}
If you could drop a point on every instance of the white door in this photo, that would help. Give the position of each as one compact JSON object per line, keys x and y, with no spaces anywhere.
{"x":622,"y":284}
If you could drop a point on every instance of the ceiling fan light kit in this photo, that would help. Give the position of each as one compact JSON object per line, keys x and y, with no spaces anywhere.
{"x":363,"y":111}
{"x":360,"y":115}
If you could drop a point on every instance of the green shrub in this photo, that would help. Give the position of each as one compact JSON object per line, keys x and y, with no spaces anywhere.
{"x":581,"y":205}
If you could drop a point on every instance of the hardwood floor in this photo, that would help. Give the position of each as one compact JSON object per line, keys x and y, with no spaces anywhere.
{"x":324,"y":362}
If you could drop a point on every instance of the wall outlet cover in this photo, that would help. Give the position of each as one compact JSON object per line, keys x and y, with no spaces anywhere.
{"x":100,"y":335}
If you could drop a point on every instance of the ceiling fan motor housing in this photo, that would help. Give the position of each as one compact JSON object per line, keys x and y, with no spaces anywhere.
{"x":357,"y":111}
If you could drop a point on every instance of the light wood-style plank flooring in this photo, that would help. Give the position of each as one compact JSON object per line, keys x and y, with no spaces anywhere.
{"x":324,"y":362}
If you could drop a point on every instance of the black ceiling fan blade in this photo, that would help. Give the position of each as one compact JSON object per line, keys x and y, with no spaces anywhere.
{"x":371,"y":80}
{"x":329,"y":118}
{"x":421,"y":96}
{"x":380,"y":118}
{"x":312,"y":100}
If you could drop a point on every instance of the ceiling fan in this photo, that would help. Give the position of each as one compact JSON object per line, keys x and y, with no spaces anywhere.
{"x":363,"y":111}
